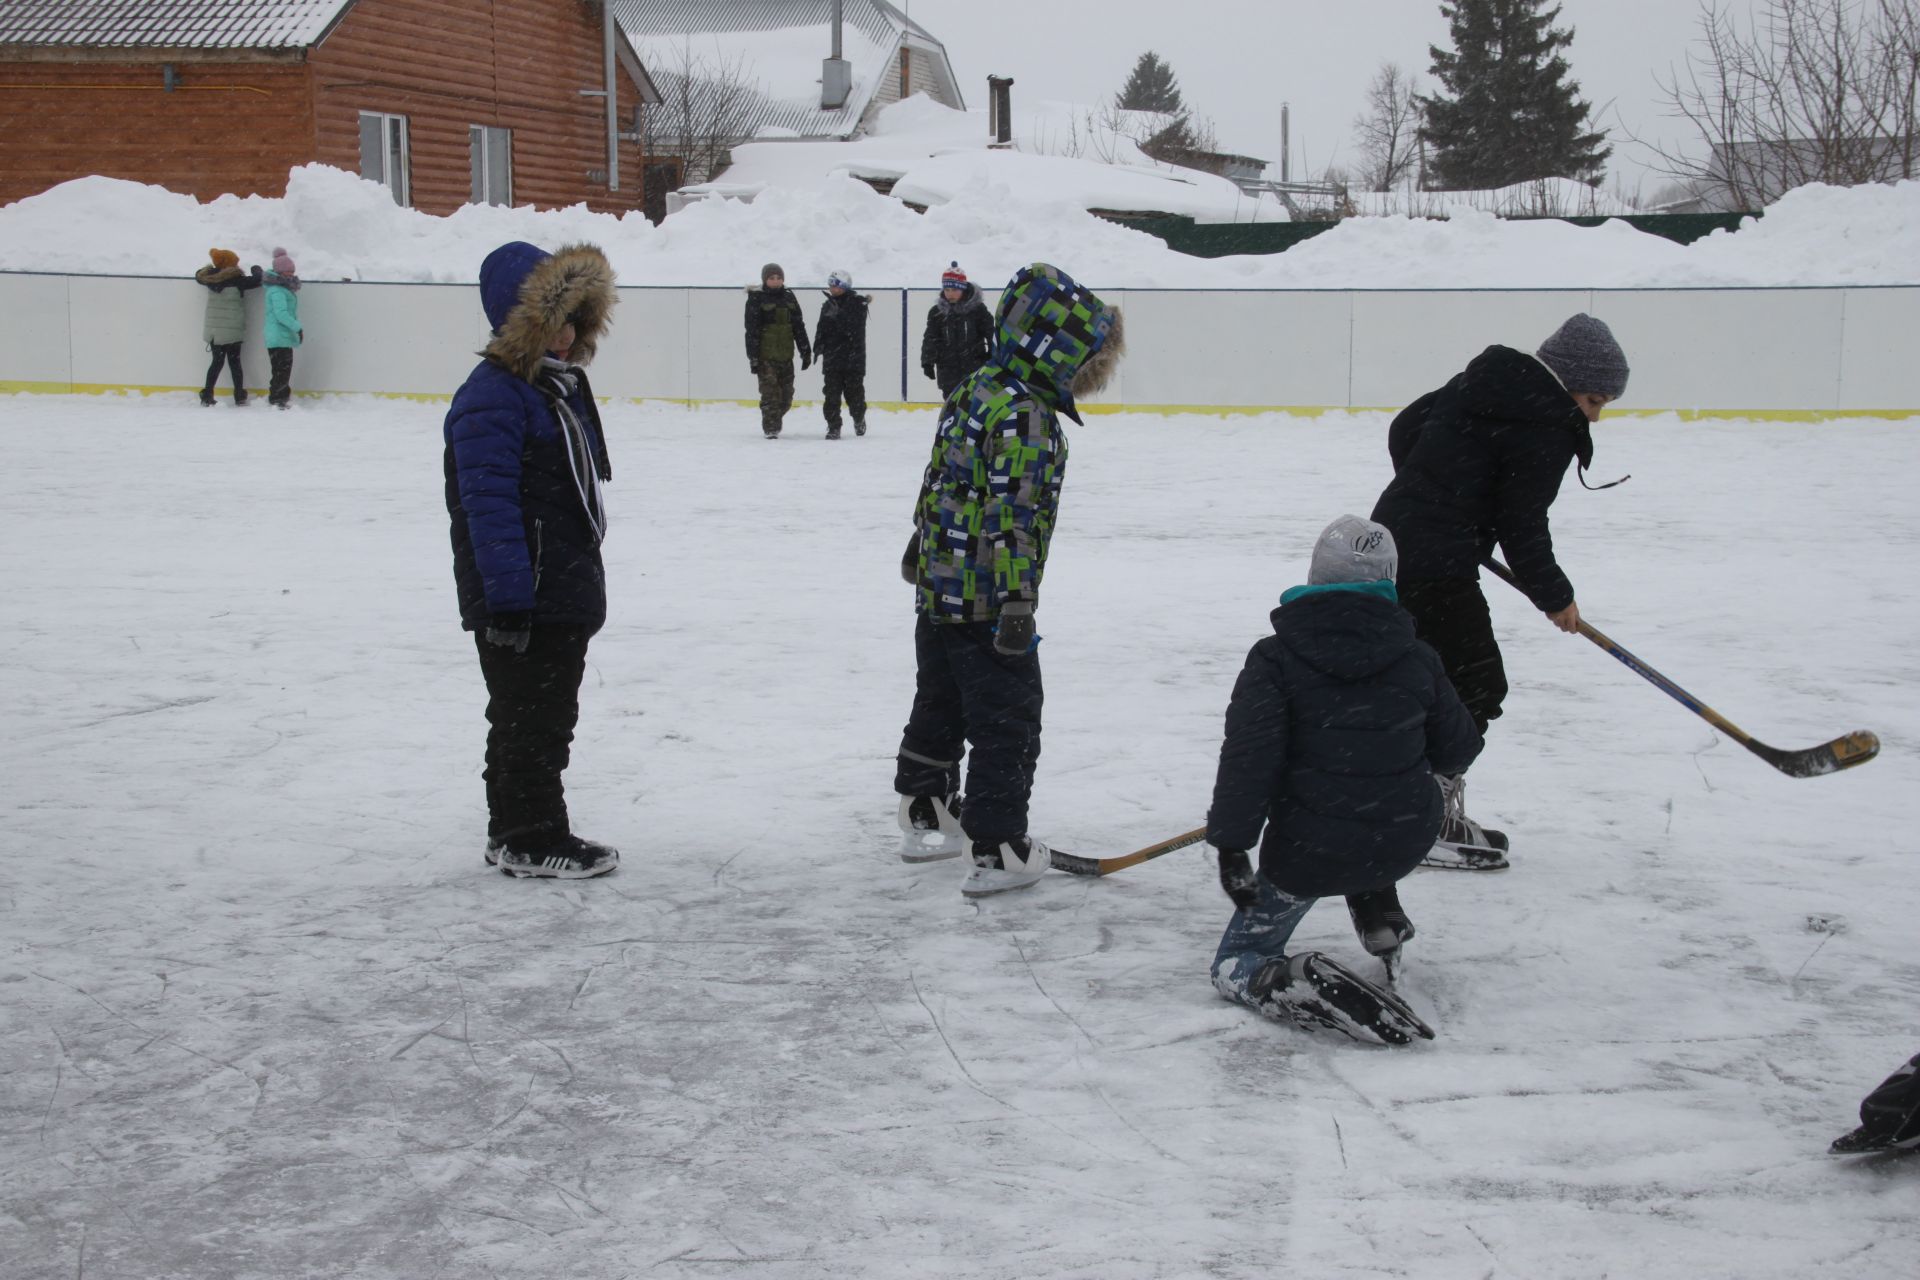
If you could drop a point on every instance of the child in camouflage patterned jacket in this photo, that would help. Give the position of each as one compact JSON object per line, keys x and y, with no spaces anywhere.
{"x":982,"y":526}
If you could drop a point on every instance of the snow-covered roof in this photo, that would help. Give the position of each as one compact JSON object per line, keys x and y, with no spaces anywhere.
{"x":777,"y":46}
{"x":170,"y":24}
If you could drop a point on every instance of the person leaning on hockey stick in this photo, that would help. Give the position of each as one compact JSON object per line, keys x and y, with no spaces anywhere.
{"x":1339,"y":722}
{"x":1476,"y":465}
{"x":982,"y":527}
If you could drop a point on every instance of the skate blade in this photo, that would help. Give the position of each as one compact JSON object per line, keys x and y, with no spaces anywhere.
{"x":928,"y":846}
{"x":1465,"y":857}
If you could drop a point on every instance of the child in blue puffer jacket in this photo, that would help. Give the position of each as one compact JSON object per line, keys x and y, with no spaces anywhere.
{"x":525,"y":459}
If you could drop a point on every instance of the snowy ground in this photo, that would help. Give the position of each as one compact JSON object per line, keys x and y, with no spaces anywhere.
{"x":267,"y":1015}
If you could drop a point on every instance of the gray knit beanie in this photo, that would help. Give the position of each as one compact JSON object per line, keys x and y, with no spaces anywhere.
{"x":1353,"y":550}
{"x":771,"y":269}
{"x":1584,"y":356}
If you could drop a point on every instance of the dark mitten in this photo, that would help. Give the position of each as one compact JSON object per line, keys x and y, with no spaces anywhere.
{"x":1014,"y":633}
{"x":928,"y":370}
{"x":910,"y":562}
{"x":1236,"y":878}
{"x":806,"y":361}
{"x":753,"y":367}
{"x":511,"y":631}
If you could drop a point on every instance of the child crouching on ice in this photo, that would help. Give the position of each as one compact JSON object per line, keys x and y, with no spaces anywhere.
{"x":1339,"y":722}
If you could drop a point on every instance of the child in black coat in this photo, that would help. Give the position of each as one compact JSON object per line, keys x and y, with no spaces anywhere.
{"x":840,"y":343}
{"x":1338,"y":724}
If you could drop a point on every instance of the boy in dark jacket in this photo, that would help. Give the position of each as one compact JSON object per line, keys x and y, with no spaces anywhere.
{"x":525,"y":459}
{"x":775,"y":326}
{"x":982,"y":527}
{"x":959,"y":335}
{"x":226,"y":323}
{"x":840,"y":340}
{"x":1476,"y":465}
{"x":1339,"y":722}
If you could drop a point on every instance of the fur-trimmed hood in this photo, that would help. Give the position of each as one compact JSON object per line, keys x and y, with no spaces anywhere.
{"x":530,"y":294}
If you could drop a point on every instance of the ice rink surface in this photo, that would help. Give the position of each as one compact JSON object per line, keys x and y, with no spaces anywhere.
{"x":266,"y":1014}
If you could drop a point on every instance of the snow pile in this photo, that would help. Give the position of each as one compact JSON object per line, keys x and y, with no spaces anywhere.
{"x":341,"y":227}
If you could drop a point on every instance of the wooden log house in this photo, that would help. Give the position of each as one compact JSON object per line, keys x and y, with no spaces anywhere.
{"x":446,"y":102}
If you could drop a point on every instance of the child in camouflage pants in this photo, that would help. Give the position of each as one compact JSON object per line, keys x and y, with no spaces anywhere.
{"x":775,"y":326}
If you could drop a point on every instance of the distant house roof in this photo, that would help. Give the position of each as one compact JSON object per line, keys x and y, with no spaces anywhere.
{"x":778,"y":46}
{"x":170,"y":24}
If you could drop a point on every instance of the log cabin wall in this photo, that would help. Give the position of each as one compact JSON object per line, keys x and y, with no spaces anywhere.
{"x":232,"y":123}
{"x":450,"y":64}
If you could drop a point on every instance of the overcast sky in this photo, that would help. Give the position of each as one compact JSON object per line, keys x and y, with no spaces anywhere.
{"x":1238,"y":60}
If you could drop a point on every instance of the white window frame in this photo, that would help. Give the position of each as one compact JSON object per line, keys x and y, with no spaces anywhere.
{"x":392,"y":162}
{"x":490,"y":151}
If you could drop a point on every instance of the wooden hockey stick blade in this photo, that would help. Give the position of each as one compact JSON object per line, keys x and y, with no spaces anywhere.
{"x":1843,"y":752}
{"x":1074,"y":865}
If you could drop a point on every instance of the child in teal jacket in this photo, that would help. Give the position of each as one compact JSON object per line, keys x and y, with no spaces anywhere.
{"x":283,"y":327}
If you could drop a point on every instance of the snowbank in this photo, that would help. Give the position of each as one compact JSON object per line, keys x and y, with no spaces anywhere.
{"x":341,"y":227}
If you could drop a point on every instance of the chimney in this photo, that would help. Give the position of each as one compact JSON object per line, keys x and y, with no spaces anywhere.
{"x":836,"y":73}
{"x":1000,"y":110}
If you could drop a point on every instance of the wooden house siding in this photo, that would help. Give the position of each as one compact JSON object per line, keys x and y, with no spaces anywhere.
{"x":226,"y":126}
{"x":446,"y":65}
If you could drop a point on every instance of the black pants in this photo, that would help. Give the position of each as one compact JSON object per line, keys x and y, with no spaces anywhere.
{"x":227,"y":353}
{"x":851,"y":385}
{"x":967,"y":692}
{"x":1451,"y":615}
{"x":279,"y":388}
{"x":776,"y":394}
{"x":533,"y":704}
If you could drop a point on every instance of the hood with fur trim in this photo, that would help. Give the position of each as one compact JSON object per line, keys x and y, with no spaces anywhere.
{"x":530,"y":294}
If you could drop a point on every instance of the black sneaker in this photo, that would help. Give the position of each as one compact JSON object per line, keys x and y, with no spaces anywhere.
{"x":569,"y":858}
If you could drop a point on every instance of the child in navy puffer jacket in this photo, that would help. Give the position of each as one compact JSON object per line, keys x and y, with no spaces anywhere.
{"x":1339,"y":723}
{"x":525,"y":459}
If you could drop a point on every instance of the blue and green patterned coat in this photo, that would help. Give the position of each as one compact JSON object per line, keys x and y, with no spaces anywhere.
{"x":992,"y":489}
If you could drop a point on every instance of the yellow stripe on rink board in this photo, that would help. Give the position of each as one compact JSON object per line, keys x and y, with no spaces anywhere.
{"x":22,"y":387}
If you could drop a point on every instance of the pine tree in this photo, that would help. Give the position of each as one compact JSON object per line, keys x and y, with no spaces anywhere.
{"x":1151,"y":87}
{"x":1512,"y":114}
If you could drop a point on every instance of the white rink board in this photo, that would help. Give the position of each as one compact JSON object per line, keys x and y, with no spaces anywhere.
{"x":1698,"y":350}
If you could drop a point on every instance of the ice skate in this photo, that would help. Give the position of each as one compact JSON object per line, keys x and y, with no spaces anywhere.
{"x":1011,"y":864}
{"x":1463,"y":844}
{"x":569,"y":858}
{"x":1312,"y":991}
{"x":1889,"y":1116}
{"x":930,"y":828}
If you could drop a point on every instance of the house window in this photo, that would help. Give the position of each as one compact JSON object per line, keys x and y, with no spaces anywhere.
{"x":492,"y":151}
{"x":383,"y":153}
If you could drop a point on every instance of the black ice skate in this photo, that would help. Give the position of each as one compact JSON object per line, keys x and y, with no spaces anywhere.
{"x":1464,"y":845}
{"x":1889,"y":1116}
{"x":1311,"y":991}
{"x":1381,"y":924}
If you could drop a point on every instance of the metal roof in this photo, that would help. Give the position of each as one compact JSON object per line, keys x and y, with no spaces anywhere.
{"x":874,"y":30}
{"x":169,"y":24}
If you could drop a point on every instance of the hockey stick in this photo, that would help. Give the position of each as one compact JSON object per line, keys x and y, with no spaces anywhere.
{"x":1075,"y":865}
{"x":1843,"y":752}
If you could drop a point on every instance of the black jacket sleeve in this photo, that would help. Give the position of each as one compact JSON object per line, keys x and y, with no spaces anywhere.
{"x":1405,"y":431}
{"x":930,"y":338}
{"x":1252,"y":756}
{"x":800,"y":329}
{"x":980,"y":337}
{"x":1531,"y":465}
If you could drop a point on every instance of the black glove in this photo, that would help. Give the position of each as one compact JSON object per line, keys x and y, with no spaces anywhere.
{"x":910,"y":562}
{"x":753,"y":367}
{"x":806,"y":362}
{"x":511,"y":631}
{"x":928,"y":370}
{"x":1014,"y":633}
{"x":1236,"y":878}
